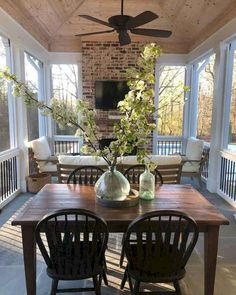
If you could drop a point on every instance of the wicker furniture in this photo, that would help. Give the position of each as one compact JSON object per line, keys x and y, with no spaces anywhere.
{"x":37,"y":181}
{"x":76,"y":240}
{"x":175,"y":197}
{"x":157,"y":246}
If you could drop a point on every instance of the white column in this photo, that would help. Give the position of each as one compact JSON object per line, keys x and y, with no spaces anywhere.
{"x":156,"y":90}
{"x":21,"y":117}
{"x":217,"y":117}
{"x":48,"y":96}
{"x":187,"y":107}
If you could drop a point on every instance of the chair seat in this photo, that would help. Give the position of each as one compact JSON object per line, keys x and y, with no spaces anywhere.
{"x":156,"y":269}
{"x":190,"y":167}
{"x":156,"y":278}
{"x":67,"y":277}
{"x":47,"y":167}
{"x":80,"y":266}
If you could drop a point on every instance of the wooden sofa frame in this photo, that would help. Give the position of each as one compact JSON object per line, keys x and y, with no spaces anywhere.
{"x":171,"y":174}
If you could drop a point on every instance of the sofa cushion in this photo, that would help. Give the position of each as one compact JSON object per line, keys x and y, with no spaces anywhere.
{"x":157,"y":159}
{"x":194,"y":149}
{"x":47,"y":167}
{"x":127,"y":160}
{"x":191,"y":167}
{"x":81,"y":160}
{"x":41,"y":148}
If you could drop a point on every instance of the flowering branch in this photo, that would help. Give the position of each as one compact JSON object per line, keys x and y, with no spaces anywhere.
{"x":137,"y":110}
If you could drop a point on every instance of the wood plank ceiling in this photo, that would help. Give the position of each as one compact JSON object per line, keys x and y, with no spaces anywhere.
{"x":54,"y":23}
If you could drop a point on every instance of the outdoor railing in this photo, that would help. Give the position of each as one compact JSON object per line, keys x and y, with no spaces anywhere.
{"x":66,"y":145}
{"x":169,"y":145}
{"x":227,"y":179}
{"x":9,"y":182}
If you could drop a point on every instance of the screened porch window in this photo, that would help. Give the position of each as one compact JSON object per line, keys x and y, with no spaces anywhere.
{"x":65,"y":87}
{"x":232,"y":123}
{"x":171,"y":100}
{"x":4,"y":106}
{"x":205,"y":97}
{"x":34,"y":80}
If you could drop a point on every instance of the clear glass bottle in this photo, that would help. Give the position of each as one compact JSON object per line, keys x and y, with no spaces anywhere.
{"x":147,"y":185}
{"x":112,"y":185}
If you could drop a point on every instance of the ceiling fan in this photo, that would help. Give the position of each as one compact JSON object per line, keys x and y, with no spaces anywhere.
{"x":123,"y":23}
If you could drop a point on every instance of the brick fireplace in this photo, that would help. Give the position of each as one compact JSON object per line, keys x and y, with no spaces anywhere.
{"x":106,"y":61}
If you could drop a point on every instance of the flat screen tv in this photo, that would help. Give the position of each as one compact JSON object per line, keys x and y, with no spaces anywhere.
{"x":109,"y":93}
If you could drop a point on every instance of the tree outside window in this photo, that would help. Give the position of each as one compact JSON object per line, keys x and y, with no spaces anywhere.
{"x":33,"y":76}
{"x":232,"y":125}
{"x":65,"y":87}
{"x":4,"y":113}
{"x":205,"y":98}
{"x":171,"y":100}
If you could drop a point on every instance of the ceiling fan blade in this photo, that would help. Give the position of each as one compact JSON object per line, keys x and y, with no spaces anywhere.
{"x":151,"y":32}
{"x":96,"y":20}
{"x":141,"y":19}
{"x":124,"y":38}
{"x":94,"y":33}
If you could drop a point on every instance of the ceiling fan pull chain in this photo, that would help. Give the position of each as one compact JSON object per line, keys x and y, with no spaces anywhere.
{"x":122,"y":7}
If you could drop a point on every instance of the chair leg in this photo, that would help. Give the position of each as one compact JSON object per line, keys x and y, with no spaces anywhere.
{"x":177,"y":288}
{"x":97,"y":286}
{"x":122,"y":255}
{"x":125,"y":277}
{"x":104,"y":276}
{"x":199,"y":180}
{"x":130,"y":283}
{"x":136,"y":287}
{"x":54,"y":287}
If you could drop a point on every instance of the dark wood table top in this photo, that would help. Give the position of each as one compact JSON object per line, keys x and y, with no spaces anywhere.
{"x":177,"y":197}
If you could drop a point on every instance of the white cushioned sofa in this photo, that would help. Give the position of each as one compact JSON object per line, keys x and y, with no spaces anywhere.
{"x":126,"y":160}
{"x":169,"y":166}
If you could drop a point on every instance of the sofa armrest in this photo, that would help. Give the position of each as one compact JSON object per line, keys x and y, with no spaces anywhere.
{"x":52,"y":159}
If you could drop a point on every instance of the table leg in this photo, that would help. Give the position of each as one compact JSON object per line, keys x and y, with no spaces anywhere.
{"x":29,"y":252}
{"x":210,"y":257}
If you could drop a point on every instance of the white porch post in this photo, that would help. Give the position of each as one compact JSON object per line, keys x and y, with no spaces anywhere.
{"x":217,"y":117}
{"x":21,"y":117}
{"x":156,"y":89}
{"x":187,"y":108}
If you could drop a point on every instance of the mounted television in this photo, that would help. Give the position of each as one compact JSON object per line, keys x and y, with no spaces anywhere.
{"x":109,"y":93}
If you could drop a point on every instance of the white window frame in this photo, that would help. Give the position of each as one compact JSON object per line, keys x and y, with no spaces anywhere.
{"x":230,"y":50}
{"x":193,"y":106}
{"x":41,"y":91}
{"x":50,"y":91}
{"x":11,"y":99}
{"x":156,"y":101}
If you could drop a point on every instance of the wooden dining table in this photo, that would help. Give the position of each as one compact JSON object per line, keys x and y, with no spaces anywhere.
{"x":172,"y":197}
